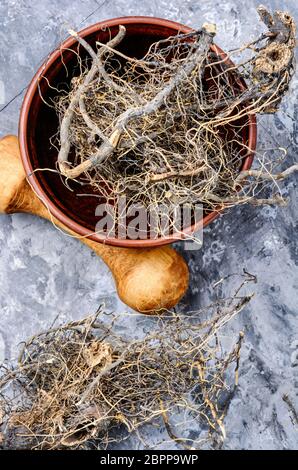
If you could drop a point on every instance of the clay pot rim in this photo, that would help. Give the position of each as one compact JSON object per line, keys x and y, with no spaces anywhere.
{"x":32,"y":178}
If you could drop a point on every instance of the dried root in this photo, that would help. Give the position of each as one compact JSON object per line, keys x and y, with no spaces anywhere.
{"x":170,"y":128}
{"x":86,"y":383}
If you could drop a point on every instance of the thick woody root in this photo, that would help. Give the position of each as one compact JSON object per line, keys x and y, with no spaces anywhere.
{"x":84,"y":384}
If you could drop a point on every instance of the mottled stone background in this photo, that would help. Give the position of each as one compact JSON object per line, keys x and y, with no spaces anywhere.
{"x":43,"y":273}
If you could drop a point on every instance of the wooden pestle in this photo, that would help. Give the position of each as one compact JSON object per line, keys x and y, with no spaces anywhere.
{"x":147,"y":279}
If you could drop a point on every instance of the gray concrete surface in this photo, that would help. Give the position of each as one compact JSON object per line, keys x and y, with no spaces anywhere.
{"x":43,"y":273}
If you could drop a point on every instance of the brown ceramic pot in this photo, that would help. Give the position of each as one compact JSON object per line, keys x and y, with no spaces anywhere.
{"x":38,"y":123}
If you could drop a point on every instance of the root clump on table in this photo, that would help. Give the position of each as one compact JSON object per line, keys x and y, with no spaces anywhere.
{"x":88,"y":383}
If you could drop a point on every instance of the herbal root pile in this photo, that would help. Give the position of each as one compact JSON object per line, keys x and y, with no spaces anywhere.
{"x":89,"y":384}
{"x":171,"y":128}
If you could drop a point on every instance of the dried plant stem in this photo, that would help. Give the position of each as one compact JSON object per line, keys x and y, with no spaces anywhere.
{"x":173,"y":174}
{"x":267,"y":176}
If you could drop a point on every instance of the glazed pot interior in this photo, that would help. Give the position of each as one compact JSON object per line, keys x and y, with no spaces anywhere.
{"x":39,"y":124}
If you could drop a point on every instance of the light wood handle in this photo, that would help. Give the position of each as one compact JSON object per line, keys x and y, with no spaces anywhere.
{"x":146,"y":279}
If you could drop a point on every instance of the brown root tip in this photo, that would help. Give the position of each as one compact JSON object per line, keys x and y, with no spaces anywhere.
{"x":76,"y":171}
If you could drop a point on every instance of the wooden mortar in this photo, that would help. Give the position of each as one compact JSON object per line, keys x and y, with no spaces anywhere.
{"x":147,"y":279}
